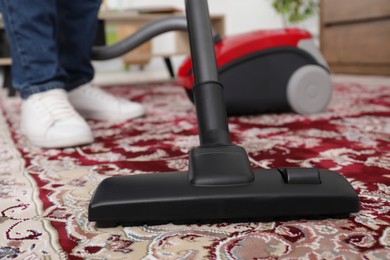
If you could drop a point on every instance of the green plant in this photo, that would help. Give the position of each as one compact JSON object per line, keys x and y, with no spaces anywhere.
{"x":295,"y":11}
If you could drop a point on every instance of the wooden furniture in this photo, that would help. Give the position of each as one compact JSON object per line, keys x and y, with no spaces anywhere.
{"x":355,"y":35}
{"x":136,"y":56}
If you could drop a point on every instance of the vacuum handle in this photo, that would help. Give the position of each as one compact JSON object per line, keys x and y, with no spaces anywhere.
{"x":201,"y":41}
{"x":208,"y":92}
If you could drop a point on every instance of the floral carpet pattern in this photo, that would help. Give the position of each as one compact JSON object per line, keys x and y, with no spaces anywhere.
{"x":44,"y":193}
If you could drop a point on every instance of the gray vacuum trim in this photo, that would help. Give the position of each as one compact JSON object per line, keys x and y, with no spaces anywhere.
{"x":309,"y":90}
{"x":309,"y":46}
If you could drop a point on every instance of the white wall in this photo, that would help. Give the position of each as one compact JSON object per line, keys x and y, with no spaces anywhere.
{"x":241,"y":16}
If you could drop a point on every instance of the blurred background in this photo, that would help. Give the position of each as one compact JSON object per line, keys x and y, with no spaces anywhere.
{"x":353,"y":35}
{"x":229,"y":17}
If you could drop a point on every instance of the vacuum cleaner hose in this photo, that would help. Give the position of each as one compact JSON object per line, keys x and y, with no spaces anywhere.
{"x":153,"y":29}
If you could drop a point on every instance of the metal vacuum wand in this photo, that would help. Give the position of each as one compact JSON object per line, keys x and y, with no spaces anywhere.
{"x":208,"y":92}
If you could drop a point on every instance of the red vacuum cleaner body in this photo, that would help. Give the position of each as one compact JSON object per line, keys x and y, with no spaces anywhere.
{"x":269,"y":71}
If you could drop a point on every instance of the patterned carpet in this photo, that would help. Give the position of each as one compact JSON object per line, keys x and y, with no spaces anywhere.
{"x":44,"y":194}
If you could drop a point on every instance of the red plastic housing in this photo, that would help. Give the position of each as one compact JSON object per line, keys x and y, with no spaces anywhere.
{"x":237,"y":46}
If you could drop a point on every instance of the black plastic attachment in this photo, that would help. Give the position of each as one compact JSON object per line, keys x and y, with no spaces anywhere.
{"x":301,"y":175}
{"x":171,"y":198}
{"x":219,"y":165}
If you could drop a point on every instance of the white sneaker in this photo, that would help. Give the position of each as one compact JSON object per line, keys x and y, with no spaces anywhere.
{"x":93,"y":103}
{"x":49,"y":120}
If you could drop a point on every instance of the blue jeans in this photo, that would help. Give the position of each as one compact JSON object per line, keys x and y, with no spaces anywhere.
{"x":51,"y":42}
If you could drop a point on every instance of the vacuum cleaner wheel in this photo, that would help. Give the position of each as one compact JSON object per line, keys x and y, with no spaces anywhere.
{"x":309,"y":90}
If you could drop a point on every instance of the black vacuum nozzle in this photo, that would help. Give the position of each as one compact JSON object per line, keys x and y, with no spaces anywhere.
{"x":160,"y":198}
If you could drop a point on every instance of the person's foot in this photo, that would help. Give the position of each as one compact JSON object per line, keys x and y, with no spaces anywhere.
{"x":49,"y":121}
{"x":93,"y":103}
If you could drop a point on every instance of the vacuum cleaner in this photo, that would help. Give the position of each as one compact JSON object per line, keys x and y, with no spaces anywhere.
{"x":268,"y":71}
{"x":220,"y":185}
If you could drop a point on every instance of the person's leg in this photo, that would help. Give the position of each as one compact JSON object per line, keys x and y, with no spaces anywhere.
{"x":77,"y":29}
{"x":31,"y":31}
{"x":47,"y":118}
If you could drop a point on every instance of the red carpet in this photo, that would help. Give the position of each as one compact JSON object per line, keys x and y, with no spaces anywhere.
{"x":44,"y":194}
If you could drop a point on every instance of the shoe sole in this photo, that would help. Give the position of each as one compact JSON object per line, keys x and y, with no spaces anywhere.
{"x":62,"y":143}
{"x":107,"y":116}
